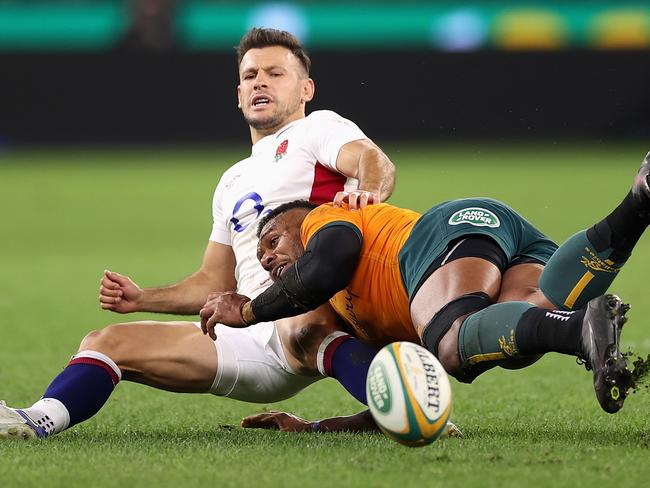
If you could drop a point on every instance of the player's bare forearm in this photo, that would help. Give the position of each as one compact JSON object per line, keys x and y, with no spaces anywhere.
{"x":186,"y":297}
{"x":287,"y":422}
{"x":359,"y":422}
{"x":364,"y":160}
{"x":118,"y":293}
{"x":376,"y":173}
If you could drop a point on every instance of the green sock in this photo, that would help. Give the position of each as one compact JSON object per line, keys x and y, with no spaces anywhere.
{"x":585,"y":266}
{"x":580,"y":271}
{"x":513,"y":335}
{"x":487,"y":338}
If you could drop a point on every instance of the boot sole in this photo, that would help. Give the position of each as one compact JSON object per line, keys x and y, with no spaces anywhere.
{"x":617,"y":376}
{"x":19,"y":432}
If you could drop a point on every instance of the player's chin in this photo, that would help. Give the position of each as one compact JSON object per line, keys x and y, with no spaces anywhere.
{"x":262,"y":120}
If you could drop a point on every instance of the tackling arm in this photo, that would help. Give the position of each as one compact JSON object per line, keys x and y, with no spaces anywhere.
{"x":327,"y":266}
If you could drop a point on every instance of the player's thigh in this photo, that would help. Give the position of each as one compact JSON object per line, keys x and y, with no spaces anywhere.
{"x":253,"y":367}
{"x":521,"y":284}
{"x":453,"y":280}
{"x":168,"y":355}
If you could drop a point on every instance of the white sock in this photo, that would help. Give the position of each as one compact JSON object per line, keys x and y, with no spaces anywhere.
{"x":50,"y":414}
{"x":320,"y":356}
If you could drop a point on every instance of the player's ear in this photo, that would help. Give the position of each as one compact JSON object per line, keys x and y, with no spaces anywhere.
{"x":308,"y":90}
{"x":238,"y":96}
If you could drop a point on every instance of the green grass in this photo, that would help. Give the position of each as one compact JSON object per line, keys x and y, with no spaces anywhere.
{"x":67,"y":215}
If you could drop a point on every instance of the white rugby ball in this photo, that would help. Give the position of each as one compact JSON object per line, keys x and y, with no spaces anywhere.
{"x":409,"y":394}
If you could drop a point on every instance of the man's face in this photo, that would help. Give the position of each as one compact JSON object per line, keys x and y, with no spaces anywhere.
{"x":273,"y":88}
{"x":280,"y":245}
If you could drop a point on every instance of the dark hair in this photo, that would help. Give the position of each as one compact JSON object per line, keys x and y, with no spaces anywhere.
{"x":261,"y":37}
{"x":285,"y":207}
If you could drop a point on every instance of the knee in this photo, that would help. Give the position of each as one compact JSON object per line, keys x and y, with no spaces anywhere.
{"x":107,"y":340}
{"x":303,"y":343}
{"x":302,"y":336}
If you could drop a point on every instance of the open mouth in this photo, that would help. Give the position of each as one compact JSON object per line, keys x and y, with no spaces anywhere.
{"x":261,"y":101}
{"x":278,"y":271}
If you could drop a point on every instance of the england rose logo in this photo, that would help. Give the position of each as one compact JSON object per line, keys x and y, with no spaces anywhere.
{"x":281,"y":150}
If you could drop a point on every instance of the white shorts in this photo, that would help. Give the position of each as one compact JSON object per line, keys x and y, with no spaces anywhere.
{"x":252,"y":367}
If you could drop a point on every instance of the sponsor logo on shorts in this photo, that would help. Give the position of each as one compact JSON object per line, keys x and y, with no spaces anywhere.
{"x":476,"y":216}
{"x":379,"y":388}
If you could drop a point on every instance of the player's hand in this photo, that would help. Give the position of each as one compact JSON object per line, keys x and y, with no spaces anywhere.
{"x":222,"y":308}
{"x":119,"y":293}
{"x":282,"y":421}
{"x":356,"y":199}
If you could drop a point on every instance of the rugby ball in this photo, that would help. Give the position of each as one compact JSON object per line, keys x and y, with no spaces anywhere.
{"x":409,"y":394}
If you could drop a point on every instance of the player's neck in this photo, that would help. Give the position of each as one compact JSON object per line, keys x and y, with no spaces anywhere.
{"x":259,"y":134}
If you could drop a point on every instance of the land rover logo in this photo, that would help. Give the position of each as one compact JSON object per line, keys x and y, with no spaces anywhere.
{"x":379,"y":388}
{"x":475,"y":216}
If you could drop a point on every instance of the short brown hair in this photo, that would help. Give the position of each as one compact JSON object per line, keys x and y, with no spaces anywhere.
{"x":261,"y":37}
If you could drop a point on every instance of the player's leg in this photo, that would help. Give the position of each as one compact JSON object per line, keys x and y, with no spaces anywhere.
{"x":503,"y":333}
{"x":586,"y":265}
{"x":316,"y":344}
{"x":520,"y":283}
{"x":171,"y":356}
{"x":470,"y":334}
{"x":512,"y":334}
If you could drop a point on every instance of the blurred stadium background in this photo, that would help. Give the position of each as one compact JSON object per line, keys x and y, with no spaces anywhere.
{"x":145,"y":71}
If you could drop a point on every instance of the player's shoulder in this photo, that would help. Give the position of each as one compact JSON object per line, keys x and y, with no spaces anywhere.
{"x":232,"y":174}
{"x":236,"y":168}
{"x":326,"y":215}
{"x":331,"y":213}
{"x":320,"y":116}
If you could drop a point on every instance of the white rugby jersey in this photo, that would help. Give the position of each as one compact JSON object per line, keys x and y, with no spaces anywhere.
{"x":298,"y":162}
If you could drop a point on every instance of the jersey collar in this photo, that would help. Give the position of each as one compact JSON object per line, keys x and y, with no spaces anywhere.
{"x":264,"y":141}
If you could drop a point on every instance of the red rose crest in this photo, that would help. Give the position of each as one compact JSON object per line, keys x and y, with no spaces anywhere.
{"x":281,"y":150}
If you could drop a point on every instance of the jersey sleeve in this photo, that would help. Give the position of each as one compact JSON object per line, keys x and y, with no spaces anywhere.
{"x":220,"y":232}
{"x":328,"y":215}
{"x":330,"y":133}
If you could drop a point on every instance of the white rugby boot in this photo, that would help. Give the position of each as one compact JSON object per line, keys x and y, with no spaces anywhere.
{"x":15,"y":424}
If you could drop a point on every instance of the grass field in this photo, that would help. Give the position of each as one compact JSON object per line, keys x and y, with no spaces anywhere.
{"x":67,"y":215}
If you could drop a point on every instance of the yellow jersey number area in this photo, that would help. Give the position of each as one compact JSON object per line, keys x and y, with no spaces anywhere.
{"x":409,"y":394}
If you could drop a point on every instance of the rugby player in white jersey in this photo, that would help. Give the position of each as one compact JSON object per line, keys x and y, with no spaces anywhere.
{"x":320,"y":157}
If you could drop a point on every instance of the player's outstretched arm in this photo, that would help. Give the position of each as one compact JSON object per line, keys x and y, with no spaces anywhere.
{"x":120,"y":294}
{"x":359,"y":422}
{"x":364,"y":160}
{"x":287,"y":422}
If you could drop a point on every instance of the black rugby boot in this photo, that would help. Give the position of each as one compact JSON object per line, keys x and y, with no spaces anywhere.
{"x":599,"y":350}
